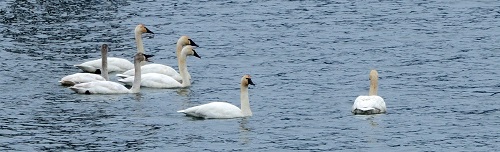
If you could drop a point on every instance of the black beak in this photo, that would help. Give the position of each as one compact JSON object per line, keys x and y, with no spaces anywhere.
{"x":97,"y":71}
{"x":148,"y":31}
{"x":250,"y":81}
{"x":148,"y":56}
{"x":191,"y":42}
{"x":196,"y":54}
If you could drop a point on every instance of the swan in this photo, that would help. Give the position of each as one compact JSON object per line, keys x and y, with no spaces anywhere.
{"x":164,"y":69}
{"x":371,"y":104}
{"x":156,"y":80}
{"x":88,"y":77}
{"x":109,"y":87}
{"x":117,"y":64}
{"x":224,"y":110}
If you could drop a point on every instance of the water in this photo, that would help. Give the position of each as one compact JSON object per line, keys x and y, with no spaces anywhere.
{"x":437,"y":61}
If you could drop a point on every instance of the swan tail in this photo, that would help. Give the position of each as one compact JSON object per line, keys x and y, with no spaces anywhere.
{"x":67,"y":83}
{"x":181,"y":111}
{"x":86,"y":68}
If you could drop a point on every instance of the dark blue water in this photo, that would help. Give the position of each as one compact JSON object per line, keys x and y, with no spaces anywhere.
{"x":438,"y":63}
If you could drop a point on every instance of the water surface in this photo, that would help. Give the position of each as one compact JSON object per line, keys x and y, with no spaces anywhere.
{"x":437,"y":61}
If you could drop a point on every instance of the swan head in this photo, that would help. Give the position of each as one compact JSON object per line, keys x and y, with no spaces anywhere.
{"x":141,"y":28}
{"x":189,"y":50}
{"x":185,"y":40}
{"x":139,"y":57}
{"x":246,"y":80}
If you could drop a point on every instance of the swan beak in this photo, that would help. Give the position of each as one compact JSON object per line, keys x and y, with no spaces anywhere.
{"x":191,"y":42}
{"x":196,"y":54}
{"x":250,"y":81}
{"x":148,"y":31}
{"x":147,"y":57}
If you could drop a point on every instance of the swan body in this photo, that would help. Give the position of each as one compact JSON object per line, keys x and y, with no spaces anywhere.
{"x":108,"y":87}
{"x":117,"y":64}
{"x":88,"y":77}
{"x":164,"y":69}
{"x":224,"y":110}
{"x":156,"y":80}
{"x":371,"y":104}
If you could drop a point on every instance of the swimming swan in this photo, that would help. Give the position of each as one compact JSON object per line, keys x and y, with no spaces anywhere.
{"x":156,"y":80}
{"x":164,"y":69}
{"x":118,"y":64}
{"x":88,"y":77}
{"x":109,"y":87}
{"x":223,"y":109}
{"x":371,"y":104}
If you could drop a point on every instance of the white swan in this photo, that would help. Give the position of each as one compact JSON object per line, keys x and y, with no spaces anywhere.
{"x":88,"y":77}
{"x":117,"y":64}
{"x":223,"y":109}
{"x":156,"y":80}
{"x":371,"y":104}
{"x":163,"y":69}
{"x":109,"y":87}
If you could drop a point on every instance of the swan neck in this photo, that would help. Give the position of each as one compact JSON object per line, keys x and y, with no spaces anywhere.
{"x":183,"y":71}
{"x":245,"y":103}
{"x":178,"y":50}
{"x":136,"y":86}
{"x":104,"y":64}
{"x":138,"y":41}
{"x":373,"y":87}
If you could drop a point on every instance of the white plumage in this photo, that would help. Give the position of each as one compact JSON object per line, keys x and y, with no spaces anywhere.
{"x":224,"y":110}
{"x":89,"y":77}
{"x":156,"y":80}
{"x":108,"y":87}
{"x":164,"y":69}
{"x":117,"y":64}
{"x":371,"y":104}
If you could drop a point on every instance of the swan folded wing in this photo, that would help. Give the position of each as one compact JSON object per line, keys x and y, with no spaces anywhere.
{"x":114,"y":64}
{"x":374,"y":104}
{"x":99,"y":87}
{"x":214,"y":110}
{"x":153,"y":68}
{"x":153,"y":80}
{"x":80,"y":78}
{"x":156,"y":80}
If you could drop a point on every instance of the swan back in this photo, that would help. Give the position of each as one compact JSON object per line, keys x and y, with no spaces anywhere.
{"x":367,"y":105}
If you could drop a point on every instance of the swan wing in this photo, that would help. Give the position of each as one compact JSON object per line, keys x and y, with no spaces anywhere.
{"x":220,"y":110}
{"x":99,"y":87}
{"x":154,"y":68}
{"x":154,"y":80}
{"x":114,"y":64}
{"x":373,"y":104}
{"x":80,"y":78}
